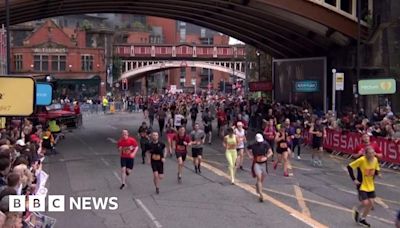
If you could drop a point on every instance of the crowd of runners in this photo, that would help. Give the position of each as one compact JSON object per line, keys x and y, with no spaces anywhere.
{"x":276,"y":131}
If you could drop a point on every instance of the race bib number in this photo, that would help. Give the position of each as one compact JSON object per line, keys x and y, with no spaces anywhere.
{"x":369,"y":172}
{"x":156,"y":157}
{"x":261,"y":159}
{"x":283,"y":145}
{"x":181,"y":147}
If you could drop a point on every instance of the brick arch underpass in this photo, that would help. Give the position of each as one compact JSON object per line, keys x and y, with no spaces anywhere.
{"x":283,"y":28}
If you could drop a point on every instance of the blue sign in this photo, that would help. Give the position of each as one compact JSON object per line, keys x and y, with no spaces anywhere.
{"x":306,"y":86}
{"x":44,"y":94}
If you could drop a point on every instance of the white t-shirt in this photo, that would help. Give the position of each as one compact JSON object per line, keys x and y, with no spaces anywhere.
{"x":241,"y":136}
{"x":178,"y":120}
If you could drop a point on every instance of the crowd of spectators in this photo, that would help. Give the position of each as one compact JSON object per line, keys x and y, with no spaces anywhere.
{"x":23,"y":148}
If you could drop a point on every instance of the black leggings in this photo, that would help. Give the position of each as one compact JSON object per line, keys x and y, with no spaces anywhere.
{"x":294,"y":145}
{"x":161,"y":123}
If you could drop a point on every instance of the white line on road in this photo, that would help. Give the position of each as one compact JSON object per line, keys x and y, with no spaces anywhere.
{"x":112,"y":127}
{"x":347,"y":191}
{"x":117,"y":176}
{"x":112,"y":140}
{"x":303,"y":220}
{"x":105,"y":162}
{"x":148,"y":212}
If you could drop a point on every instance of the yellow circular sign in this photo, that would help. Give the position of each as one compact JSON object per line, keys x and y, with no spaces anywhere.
{"x":386,"y":85}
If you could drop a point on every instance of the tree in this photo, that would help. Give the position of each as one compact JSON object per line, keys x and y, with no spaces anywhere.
{"x":116,"y":70}
{"x":86,"y":25}
{"x":138,"y":26}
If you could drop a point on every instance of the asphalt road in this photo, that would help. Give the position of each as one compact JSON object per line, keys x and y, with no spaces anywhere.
{"x":88,"y":165}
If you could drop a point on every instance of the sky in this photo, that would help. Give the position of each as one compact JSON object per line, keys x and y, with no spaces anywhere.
{"x":234,"y":41}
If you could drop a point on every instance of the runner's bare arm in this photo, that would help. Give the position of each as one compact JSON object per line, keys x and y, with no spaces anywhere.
{"x":225,"y":142}
{"x":269,"y":153}
{"x":249,"y":153}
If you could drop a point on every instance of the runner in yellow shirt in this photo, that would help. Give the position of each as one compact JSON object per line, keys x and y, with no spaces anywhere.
{"x":368,"y":168}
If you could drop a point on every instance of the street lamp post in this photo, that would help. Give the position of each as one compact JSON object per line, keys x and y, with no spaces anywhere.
{"x":259,"y":64}
{"x":8,"y":40}
{"x":334,"y":90}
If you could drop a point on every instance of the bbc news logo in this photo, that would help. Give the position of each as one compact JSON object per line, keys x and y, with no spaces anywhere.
{"x":57,"y":203}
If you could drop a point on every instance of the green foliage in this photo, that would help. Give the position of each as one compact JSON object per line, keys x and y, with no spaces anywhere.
{"x":86,"y":25}
{"x":116,"y":70}
{"x":138,"y":26}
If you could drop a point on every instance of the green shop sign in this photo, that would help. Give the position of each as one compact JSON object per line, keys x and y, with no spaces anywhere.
{"x":306,"y":86}
{"x":376,"y":86}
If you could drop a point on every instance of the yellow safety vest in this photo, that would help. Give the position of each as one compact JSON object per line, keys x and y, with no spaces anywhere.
{"x":105,"y":102}
{"x":53,"y":126}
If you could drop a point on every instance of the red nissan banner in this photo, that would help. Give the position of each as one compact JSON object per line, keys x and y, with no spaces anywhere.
{"x":348,"y":141}
{"x":264,"y":86}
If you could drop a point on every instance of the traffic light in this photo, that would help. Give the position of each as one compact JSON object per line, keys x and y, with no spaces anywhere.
{"x":125,"y":84}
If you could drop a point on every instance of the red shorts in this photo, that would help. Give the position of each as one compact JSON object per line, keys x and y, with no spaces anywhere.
{"x":170,"y":136}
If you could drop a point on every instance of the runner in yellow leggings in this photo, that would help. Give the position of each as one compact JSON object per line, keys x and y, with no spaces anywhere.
{"x":230,"y":144}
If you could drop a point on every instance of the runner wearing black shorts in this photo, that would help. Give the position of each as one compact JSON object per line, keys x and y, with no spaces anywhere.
{"x":180,"y":142}
{"x":128,"y":148}
{"x":318,"y":131}
{"x":207,"y":122}
{"x":282,"y":149}
{"x":157,"y":153}
{"x":198,"y":137}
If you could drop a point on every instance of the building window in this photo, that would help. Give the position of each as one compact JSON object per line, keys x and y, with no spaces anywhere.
{"x":87,"y":62}
{"x":58,"y":62}
{"x":41,"y":63}
{"x":182,"y":35}
{"x":331,"y":2}
{"x":18,"y":63}
{"x":183,"y":72}
{"x":203,"y":32}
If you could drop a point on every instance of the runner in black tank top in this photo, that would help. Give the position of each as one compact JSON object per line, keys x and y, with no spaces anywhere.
{"x":283,"y":150}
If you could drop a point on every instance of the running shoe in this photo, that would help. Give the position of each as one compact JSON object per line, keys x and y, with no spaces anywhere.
{"x":198,"y":169}
{"x":364,"y":223}
{"x":314,"y":162}
{"x":298,"y":157}
{"x":157,"y":190}
{"x":179,"y":179}
{"x":275,"y":165}
{"x":195,"y":169}
{"x":122,"y":186}
{"x":286,"y":174}
{"x":356,"y":215}
{"x":127,"y":173}
{"x":261,"y":198}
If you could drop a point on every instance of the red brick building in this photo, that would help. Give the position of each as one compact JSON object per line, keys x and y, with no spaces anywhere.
{"x":62,"y":53}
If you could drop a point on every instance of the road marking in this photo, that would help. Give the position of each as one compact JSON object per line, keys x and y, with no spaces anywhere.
{"x":112,"y":127}
{"x":112,"y":140}
{"x":105,"y":162}
{"x":148,"y":212}
{"x":347,"y":191}
{"x":300,"y":201}
{"x":117,"y":176}
{"x":379,"y":201}
{"x":384,"y":184}
{"x":301,"y":219}
{"x":307,"y":220}
{"x":329,"y":205}
{"x":301,"y":168}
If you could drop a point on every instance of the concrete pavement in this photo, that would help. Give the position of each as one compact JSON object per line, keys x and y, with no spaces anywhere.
{"x":89,"y":166}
